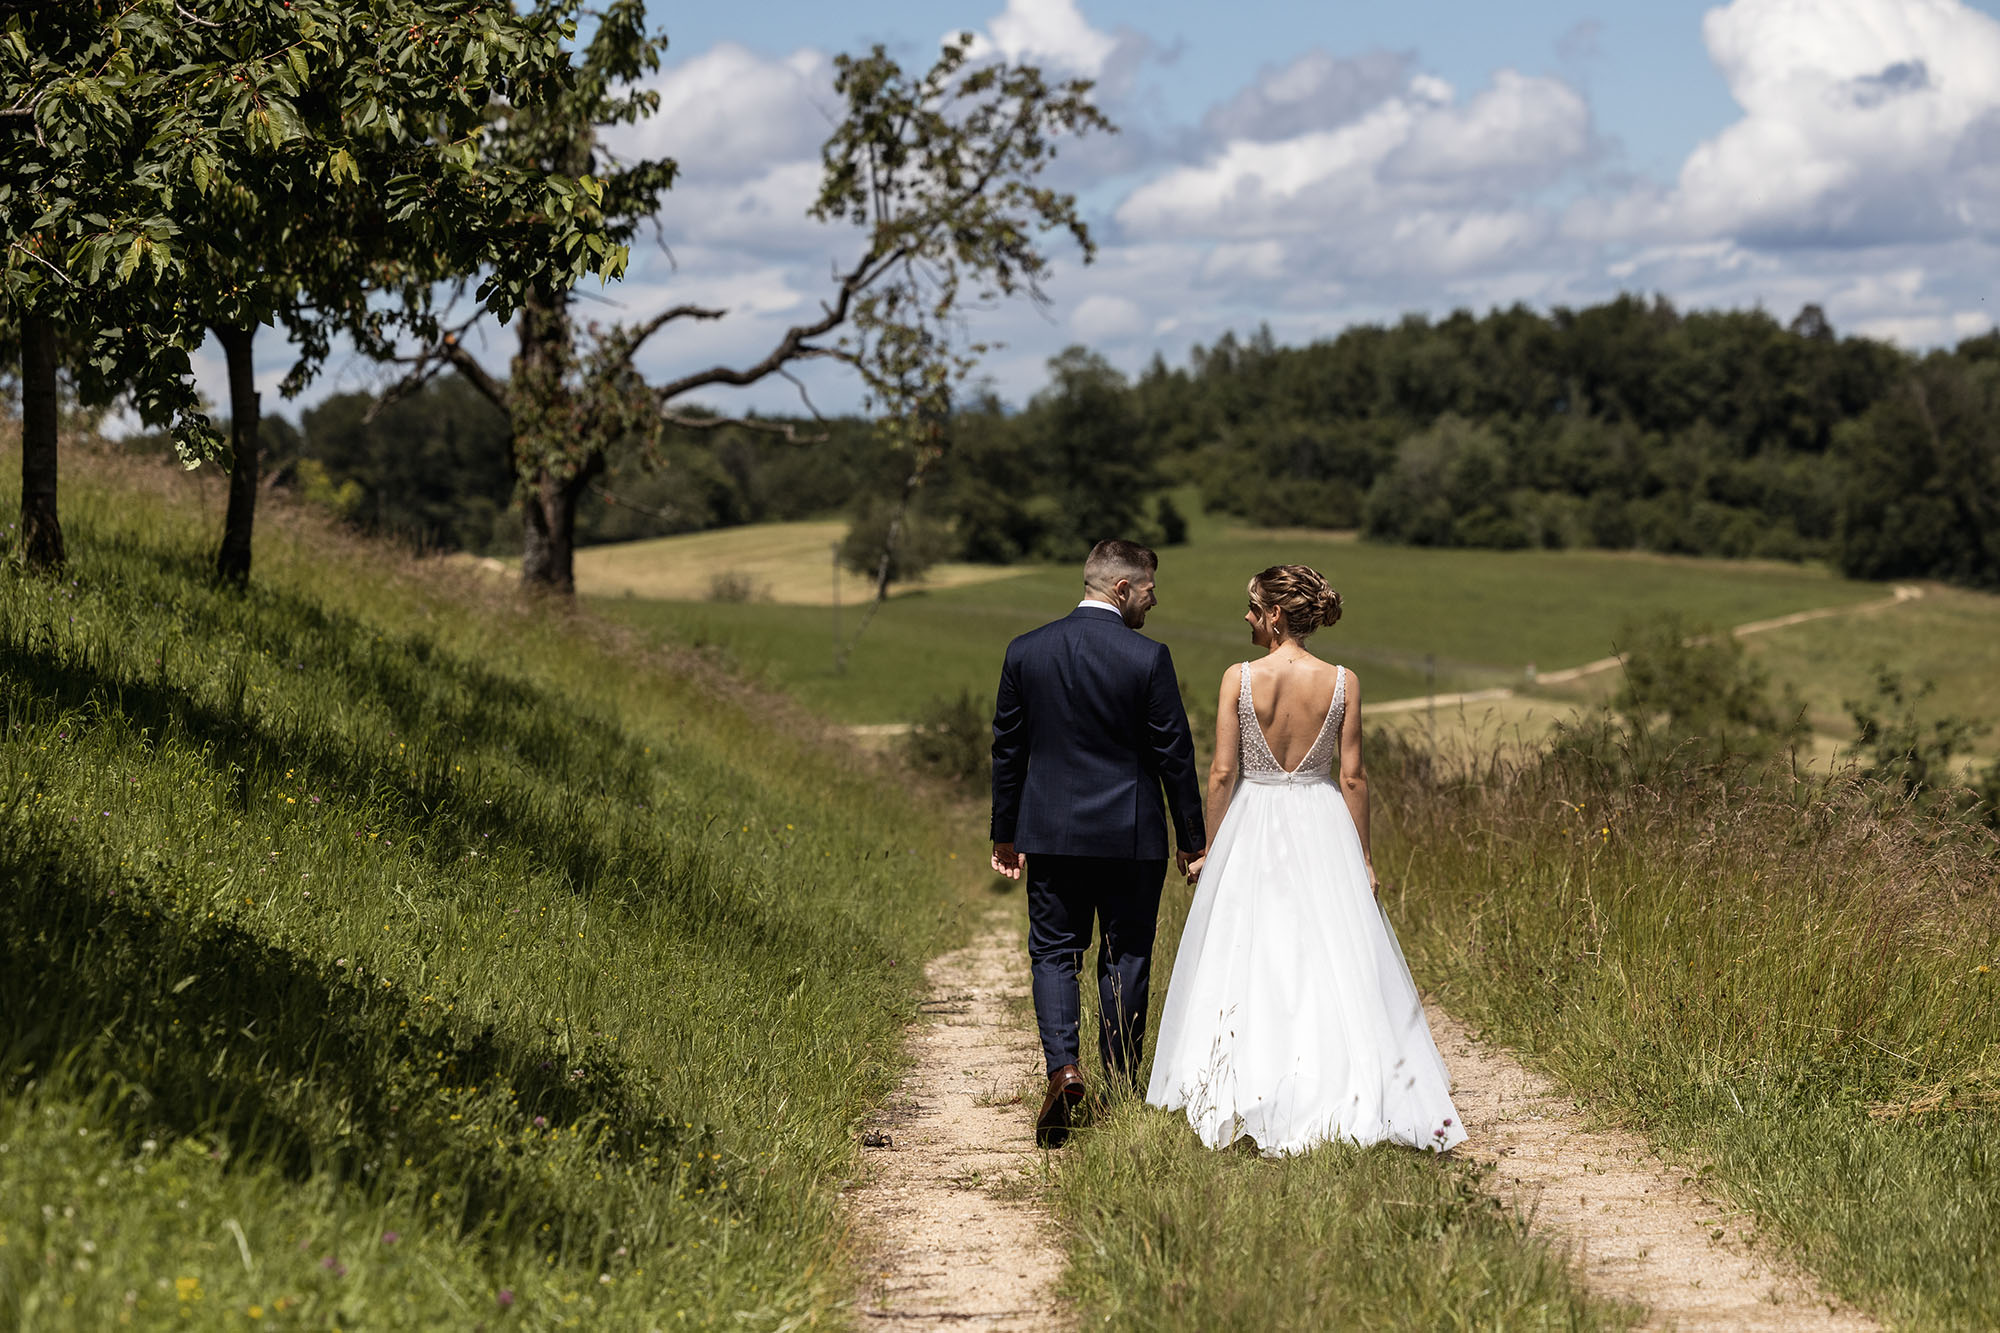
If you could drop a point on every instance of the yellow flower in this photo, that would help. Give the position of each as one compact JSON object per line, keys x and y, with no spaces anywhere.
{"x":255,"y":1312}
{"x":187,"y":1288}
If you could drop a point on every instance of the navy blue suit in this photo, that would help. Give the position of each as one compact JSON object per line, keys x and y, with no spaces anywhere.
{"x":1088,"y":729}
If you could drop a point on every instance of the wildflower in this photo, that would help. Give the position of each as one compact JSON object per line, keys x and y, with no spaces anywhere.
{"x":187,"y":1288}
{"x":391,"y":1237}
{"x":505,"y":1298}
{"x":1982,"y":969}
{"x":255,"y":1312}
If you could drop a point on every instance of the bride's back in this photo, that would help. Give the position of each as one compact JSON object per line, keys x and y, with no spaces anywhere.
{"x":1291,"y":700}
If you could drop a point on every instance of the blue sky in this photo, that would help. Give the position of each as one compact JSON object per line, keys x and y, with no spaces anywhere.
{"x":1650,"y":80}
{"x":1313,"y":166}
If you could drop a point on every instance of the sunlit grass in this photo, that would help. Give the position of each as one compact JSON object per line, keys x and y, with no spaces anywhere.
{"x":1166,"y":1234}
{"x":789,"y":563}
{"x":379,"y":953}
{"x":1416,"y":620}
{"x":1792,"y":992}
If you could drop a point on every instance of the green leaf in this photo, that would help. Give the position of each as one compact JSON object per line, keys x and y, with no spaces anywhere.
{"x":342,"y":167}
{"x":297,"y":59}
{"x":284,"y":121}
{"x":200,"y":169}
{"x":130,"y":263}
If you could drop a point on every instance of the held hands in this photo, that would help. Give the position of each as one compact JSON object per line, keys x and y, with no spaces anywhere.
{"x":1190,"y":864}
{"x":1006,"y":861}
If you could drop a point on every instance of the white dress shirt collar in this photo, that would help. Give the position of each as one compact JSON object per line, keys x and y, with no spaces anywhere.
{"x":1101,"y":605}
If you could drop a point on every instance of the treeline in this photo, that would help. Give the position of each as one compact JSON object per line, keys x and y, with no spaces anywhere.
{"x":1623,"y":425}
{"x":434,"y":468}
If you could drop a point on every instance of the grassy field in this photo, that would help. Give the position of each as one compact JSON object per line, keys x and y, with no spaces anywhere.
{"x":1951,"y":636}
{"x":1480,"y":617}
{"x":1789,"y":988}
{"x":773,"y":562}
{"x":1790,"y":991}
{"x":377,"y":954}
{"x":1166,"y":1235}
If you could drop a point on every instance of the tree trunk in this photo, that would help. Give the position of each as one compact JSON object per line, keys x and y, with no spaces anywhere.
{"x":548,"y":556}
{"x":541,"y":398}
{"x":41,"y":533}
{"x":232,"y":561}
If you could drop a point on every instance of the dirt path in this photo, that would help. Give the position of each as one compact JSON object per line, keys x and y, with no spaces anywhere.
{"x":956,"y":1249}
{"x":1638,"y":1231}
{"x":953,"y":1254}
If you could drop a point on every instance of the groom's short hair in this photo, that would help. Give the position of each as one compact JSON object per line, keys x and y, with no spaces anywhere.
{"x":1113,"y":559}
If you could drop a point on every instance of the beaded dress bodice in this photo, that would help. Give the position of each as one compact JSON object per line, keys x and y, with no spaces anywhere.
{"x":1258,"y":764}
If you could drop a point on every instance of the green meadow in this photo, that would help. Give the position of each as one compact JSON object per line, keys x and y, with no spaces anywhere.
{"x":383,"y":952}
{"x":378,"y":953}
{"x":1415,"y":619}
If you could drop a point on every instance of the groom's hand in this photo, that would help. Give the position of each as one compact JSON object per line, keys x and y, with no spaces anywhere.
{"x":1006,"y":861}
{"x":1189,"y":863}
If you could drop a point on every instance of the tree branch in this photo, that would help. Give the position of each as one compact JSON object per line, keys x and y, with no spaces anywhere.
{"x":430,"y":363}
{"x":664,"y":516}
{"x":793,"y":345}
{"x":788,"y":429}
{"x":660,"y":321}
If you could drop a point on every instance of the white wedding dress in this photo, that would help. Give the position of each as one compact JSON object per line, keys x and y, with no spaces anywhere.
{"x":1291,"y":1016}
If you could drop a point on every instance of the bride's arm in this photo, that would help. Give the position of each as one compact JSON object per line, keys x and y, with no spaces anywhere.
{"x":1353,"y":773}
{"x":1222,"y":766}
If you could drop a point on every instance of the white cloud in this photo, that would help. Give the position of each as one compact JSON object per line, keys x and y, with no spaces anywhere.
{"x":1102,"y":318}
{"x":1314,"y":92}
{"x":729,"y":113}
{"x":1419,"y":182}
{"x":1863,"y":175}
{"x":1864,"y":121}
{"x":1051,"y":32}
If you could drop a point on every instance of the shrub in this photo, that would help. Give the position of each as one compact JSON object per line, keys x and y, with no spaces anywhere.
{"x":733,"y":585}
{"x":1690,"y":696}
{"x":920,"y":543}
{"x":952,"y":738}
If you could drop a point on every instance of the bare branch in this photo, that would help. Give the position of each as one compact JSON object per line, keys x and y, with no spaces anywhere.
{"x":788,"y":429}
{"x":804,"y":397}
{"x":793,"y":345}
{"x":466,"y":364}
{"x":661,"y":320}
{"x":664,"y":515}
{"x":430,"y":363}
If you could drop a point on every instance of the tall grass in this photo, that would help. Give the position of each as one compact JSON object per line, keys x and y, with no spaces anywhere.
{"x":1787,"y":983}
{"x":1166,"y":1234}
{"x":379,"y":953}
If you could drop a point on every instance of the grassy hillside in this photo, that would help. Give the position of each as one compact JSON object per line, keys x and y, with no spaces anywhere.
{"x":1481,"y":617}
{"x":1788,"y":986}
{"x":378,"y":954}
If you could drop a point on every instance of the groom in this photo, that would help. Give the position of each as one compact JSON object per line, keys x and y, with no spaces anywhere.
{"x":1087,"y":729}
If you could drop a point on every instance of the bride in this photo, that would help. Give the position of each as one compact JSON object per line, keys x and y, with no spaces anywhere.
{"x":1291,"y":1018}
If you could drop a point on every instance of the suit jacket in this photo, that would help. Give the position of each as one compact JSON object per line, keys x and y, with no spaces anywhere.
{"x":1087,"y":729}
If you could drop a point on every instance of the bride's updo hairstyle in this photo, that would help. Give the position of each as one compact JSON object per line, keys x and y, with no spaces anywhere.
{"x":1302,"y":593}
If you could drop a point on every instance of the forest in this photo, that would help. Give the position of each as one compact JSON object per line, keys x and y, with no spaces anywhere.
{"x":1628,"y":424}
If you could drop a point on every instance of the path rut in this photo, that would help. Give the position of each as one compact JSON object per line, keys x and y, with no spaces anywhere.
{"x":951,"y":1252}
{"x":955,"y":1248}
{"x":1638,"y":1230}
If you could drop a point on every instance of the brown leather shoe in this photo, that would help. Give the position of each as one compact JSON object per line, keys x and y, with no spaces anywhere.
{"x":1059,"y":1108}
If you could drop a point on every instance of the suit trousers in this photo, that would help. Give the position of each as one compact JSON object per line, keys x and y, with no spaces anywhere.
{"x":1065,"y":894}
